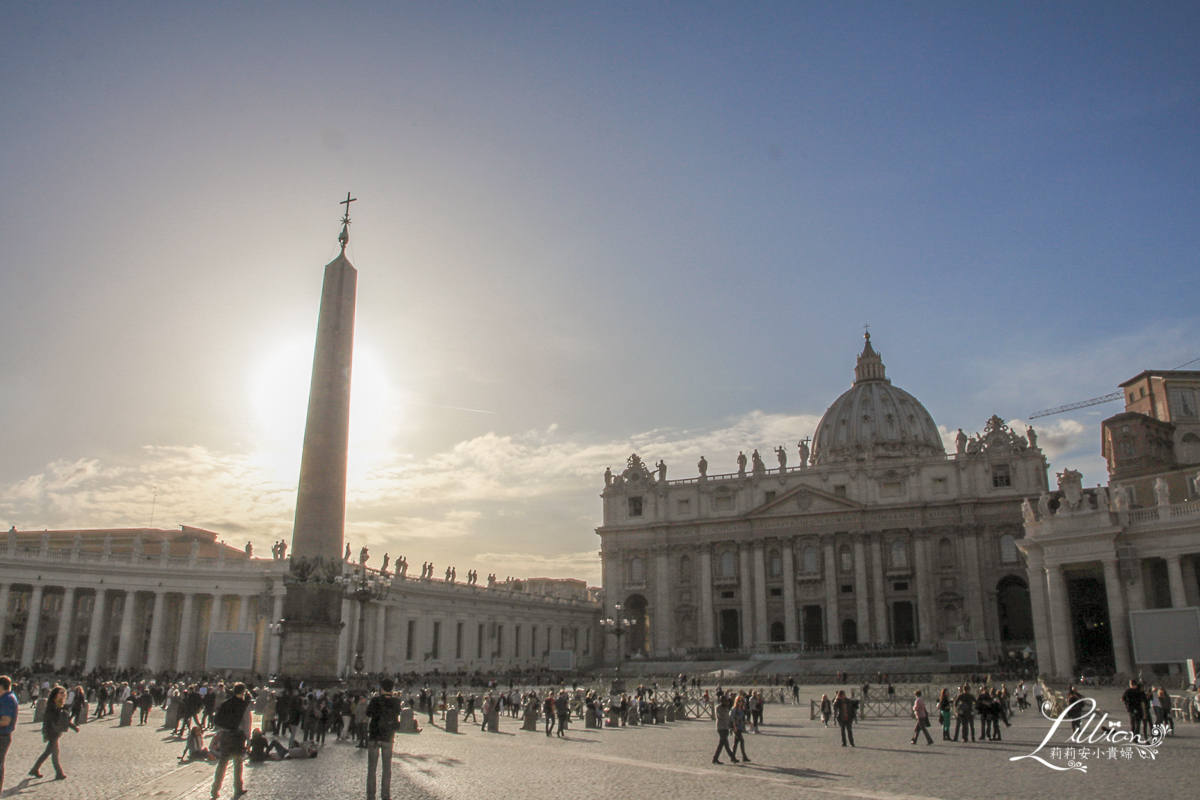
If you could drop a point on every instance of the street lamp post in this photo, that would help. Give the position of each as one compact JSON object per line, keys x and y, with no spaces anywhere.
{"x":363,"y":586}
{"x":616,"y":625}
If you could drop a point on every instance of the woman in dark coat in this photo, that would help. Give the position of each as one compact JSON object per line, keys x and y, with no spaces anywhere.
{"x":54,"y":724}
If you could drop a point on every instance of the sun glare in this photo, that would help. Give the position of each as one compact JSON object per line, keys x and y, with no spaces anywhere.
{"x":280,"y":398}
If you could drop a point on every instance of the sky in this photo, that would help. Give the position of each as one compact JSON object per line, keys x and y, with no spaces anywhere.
{"x":582,"y":230}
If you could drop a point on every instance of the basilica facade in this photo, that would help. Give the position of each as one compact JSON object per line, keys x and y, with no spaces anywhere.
{"x":876,"y":536}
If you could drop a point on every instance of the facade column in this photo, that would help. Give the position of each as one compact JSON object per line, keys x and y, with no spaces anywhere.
{"x":760,"y":594}
{"x":276,"y":638}
{"x":95,"y":631}
{"x":707,"y":623}
{"x":5,"y":591}
{"x":862,"y":608}
{"x":662,"y":599}
{"x":63,"y":640}
{"x":380,"y":643}
{"x":1036,"y":570}
{"x":926,"y":635}
{"x":974,"y":592}
{"x":243,"y":612}
{"x":744,"y":577}
{"x":125,"y":645}
{"x":344,"y":637}
{"x":791,"y":631}
{"x":183,"y":649}
{"x":881,"y":621}
{"x":1118,"y":617}
{"x":32,"y":624}
{"x":1060,"y":622}
{"x":157,"y":626}
{"x":1175,"y":579}
{"x":833,"y":631}
{"x":215,"y":613}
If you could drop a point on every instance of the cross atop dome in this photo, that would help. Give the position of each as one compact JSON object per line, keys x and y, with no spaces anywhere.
{"x":870,"y":364}
{"x":344,"y":236}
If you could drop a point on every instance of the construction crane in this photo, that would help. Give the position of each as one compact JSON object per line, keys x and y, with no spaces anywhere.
{"x":1095,"y":401}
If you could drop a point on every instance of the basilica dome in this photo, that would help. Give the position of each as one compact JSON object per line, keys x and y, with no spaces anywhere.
{"x":874,"y":420}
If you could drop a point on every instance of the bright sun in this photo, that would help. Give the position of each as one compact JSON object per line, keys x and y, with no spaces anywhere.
{"x":280,"y":397}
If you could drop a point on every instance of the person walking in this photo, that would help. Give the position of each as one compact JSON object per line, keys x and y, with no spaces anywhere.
{"x":548,"y":710}
{"x":944,"y":713}
{"x":922,"y":716}
{"x":229,"y":719}
{"x":737,"y":723}
{"x":383,"y":719}
{"x":55,"y":723}
{"x":563,"y":707}
{"x":8,"y":720}
{"x":826,"y":709}
{"x":845,"y":711}
{"x":723,"y":725}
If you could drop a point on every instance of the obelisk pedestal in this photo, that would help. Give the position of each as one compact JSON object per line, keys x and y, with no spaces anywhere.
{"x":312,"y":608}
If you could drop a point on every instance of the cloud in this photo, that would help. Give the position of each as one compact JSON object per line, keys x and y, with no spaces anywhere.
{"x":536,"y":491}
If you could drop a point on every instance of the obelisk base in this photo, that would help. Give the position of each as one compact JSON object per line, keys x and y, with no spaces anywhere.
{"x":312,"y":627}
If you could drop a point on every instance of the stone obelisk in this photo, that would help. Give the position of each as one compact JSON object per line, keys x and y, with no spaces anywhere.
{"x":312,"y":610}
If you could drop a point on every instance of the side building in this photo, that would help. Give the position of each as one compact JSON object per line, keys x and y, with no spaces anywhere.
{"x":83,"y":599}
{"x":880,"y":538}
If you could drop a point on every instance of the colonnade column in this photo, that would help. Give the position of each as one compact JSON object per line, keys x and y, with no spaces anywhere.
{"x":1060,"y":621}
{"x":32,"y":625}
{"x":1118,"y":617}
{"x":276,"y":639}
{"x":244,"y":612}
{"x":1036,"y":570}
{"x":65,"y":618}
{"x":344,"y":636}
{"x":4,"y":594}
{"x":862,"y":609}
{"x":95,"y":631}
{"x":974,"y":590}
{"x":662,"y":599}
{"x":744,"y":578}
{"x":157,"y":626}
{"x":760,"y":594}
{"x":832,"y":629}
{"x":881,"y":622}
{"x":790,"y":630}
{"x":1175,"y":580}
{"x":381,"y":638}
{"x":926,"y":635}
{"x":183,"y":650}
{"x":125,"y":644}
{"x":707,"y":625}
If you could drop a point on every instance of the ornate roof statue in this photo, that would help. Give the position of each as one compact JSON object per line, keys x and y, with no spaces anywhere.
{"x":874,"y":419}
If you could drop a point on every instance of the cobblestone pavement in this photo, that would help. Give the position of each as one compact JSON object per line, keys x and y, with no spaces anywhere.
{"x":793,"y":757}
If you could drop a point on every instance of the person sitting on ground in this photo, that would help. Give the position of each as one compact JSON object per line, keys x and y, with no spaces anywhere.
{"x":194,"y":749}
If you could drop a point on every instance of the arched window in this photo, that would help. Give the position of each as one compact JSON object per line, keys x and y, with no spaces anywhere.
{"x":775,"y":564}
{"x":899,"y":555}
{"x":1008,"y":549}
{"x":810,"y":559}
{"x":728,"y":564}
{"x":845,"y":559}
{"x":637,"y":571}
{"x":945,"y":553}
{"x":685,"y":569}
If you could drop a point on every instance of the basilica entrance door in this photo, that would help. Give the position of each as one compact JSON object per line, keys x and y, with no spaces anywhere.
{"x":904,"y":629}
{"x":814,"y":626}
{"x":730,"y":633}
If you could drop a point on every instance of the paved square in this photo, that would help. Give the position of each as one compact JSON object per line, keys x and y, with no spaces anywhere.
{"x":793,"y":757}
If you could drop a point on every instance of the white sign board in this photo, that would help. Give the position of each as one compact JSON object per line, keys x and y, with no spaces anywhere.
{"x":1165,"y":635}
{"x":230,"y":650}
{"x":562,"y":660}
{"x":962,"y":654}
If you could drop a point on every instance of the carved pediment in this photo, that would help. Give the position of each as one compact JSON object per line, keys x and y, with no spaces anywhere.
{"x":805,"y":500}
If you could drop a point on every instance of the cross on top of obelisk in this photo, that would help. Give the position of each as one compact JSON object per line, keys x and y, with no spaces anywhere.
{"x":344,"y":236}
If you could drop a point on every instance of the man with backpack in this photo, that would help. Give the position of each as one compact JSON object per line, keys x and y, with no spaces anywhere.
{"x":383,"y":719}
{"x":229,"y":719}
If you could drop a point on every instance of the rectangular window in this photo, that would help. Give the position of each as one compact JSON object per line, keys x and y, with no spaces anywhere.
{"x":839,"y":490}
{"x":458,"y":640}
{"x":723,"y":502}
{"x":727,"y":595}
{"x":892,"y":489}
{"x":684,"y":506}
{"x":847,"y":588}
{"x":1001,"y":477}
{"x":479,"y":642}
{"x":776,"y":592}
{"x":900,"y":586}
{"x":410,"y":640}
{"x":437,"y":640}
{"x":635,"y":506}
{"x":770,"y":497}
